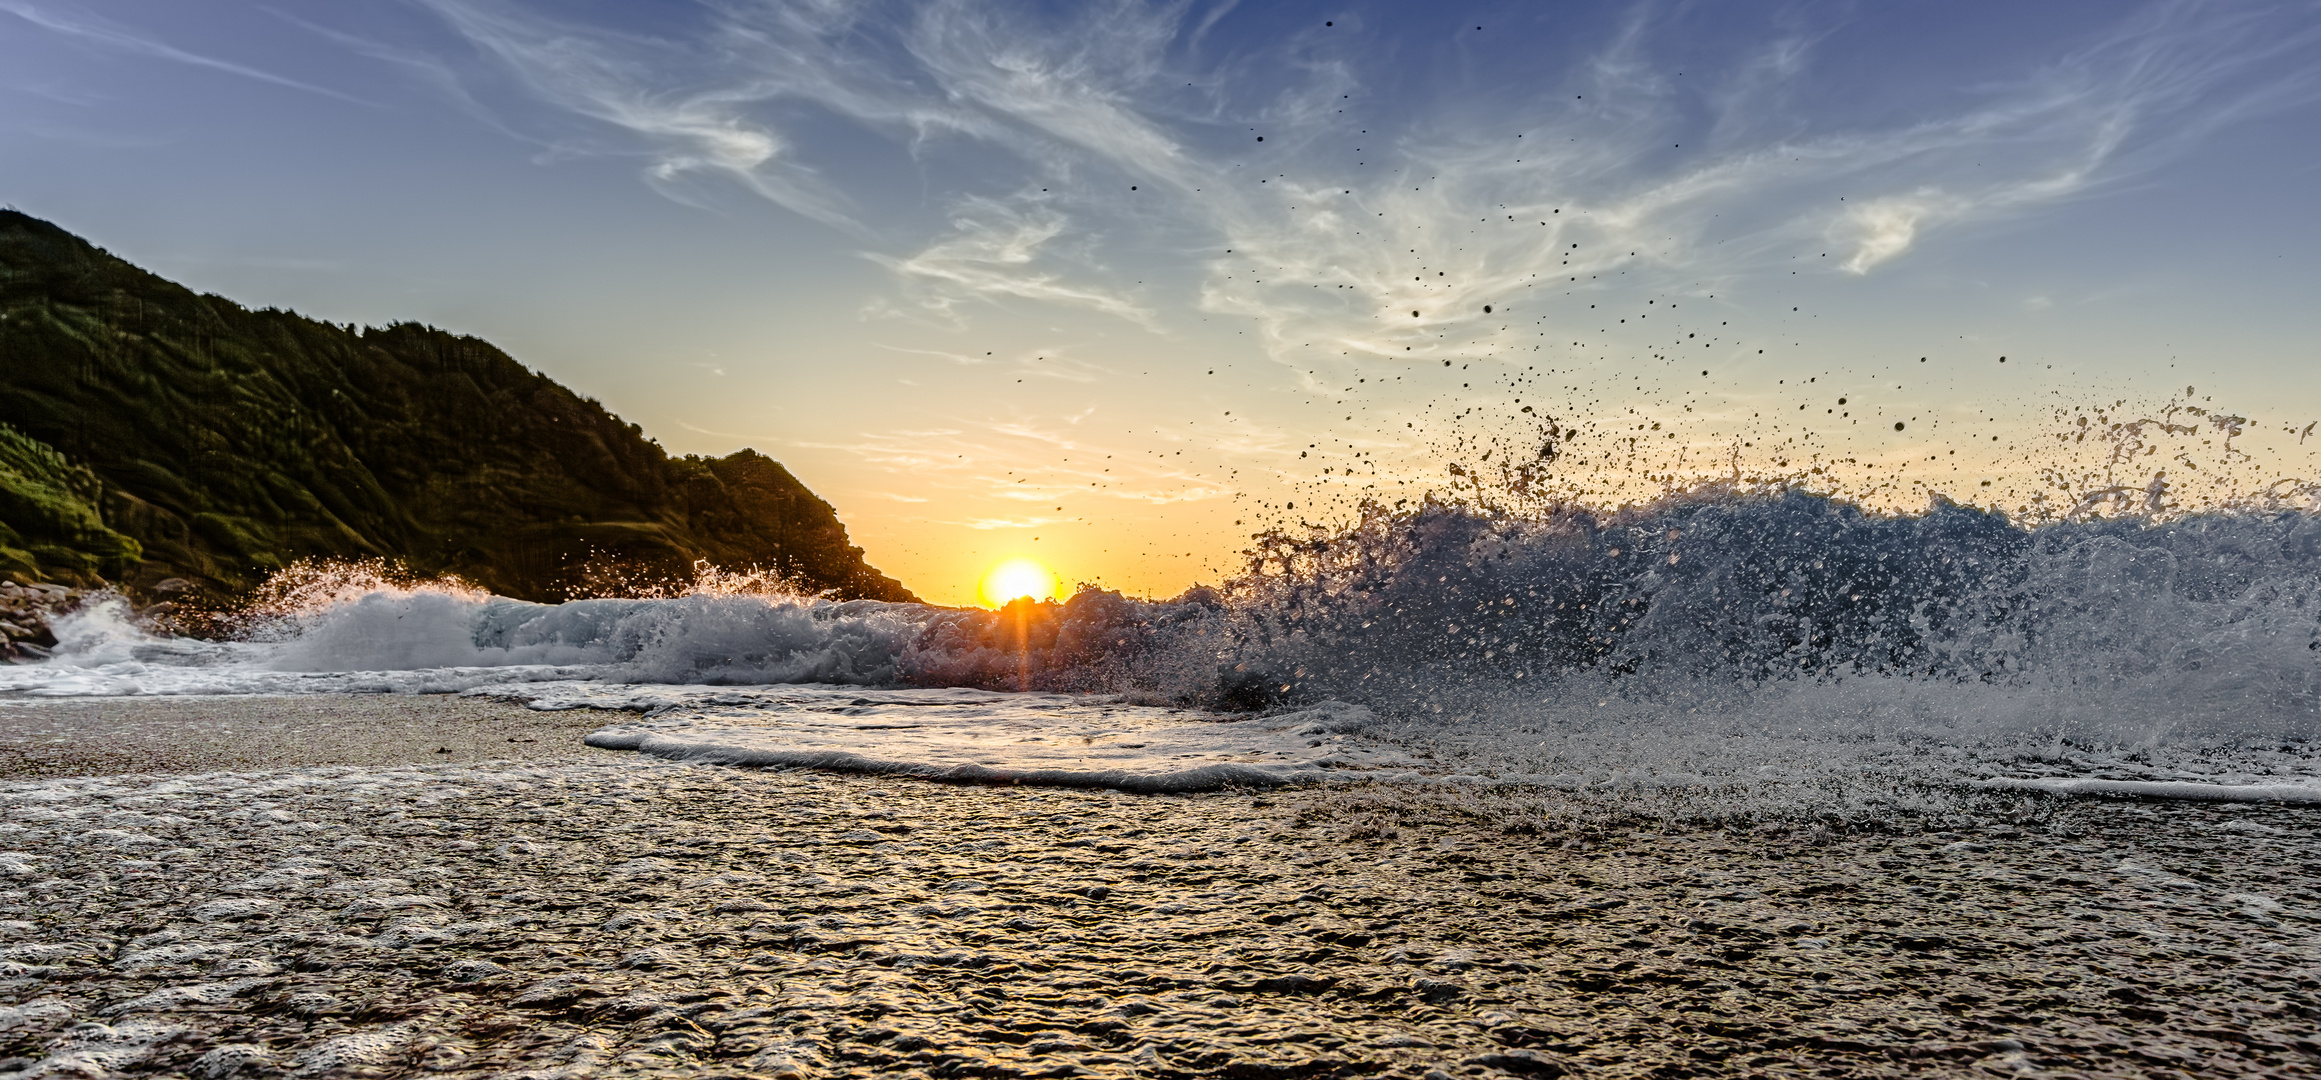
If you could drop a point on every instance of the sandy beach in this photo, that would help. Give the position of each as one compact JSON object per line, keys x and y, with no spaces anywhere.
{"x":567,"y":912}
{"x":51,"y":737}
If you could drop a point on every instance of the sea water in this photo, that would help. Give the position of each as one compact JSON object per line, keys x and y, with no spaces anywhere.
{"x":1741,"y":641}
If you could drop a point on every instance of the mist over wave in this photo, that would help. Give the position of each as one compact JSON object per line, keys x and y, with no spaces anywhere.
{"x":1792,"y":610}
{"x":1733,"y":612}
{"x":1768,"y":657}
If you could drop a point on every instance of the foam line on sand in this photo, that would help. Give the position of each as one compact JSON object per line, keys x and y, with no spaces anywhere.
{"x":2184,"y":790}
{"x":1215,"y":777}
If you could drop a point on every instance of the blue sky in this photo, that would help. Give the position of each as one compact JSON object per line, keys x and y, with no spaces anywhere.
{"x":1128,"y":278}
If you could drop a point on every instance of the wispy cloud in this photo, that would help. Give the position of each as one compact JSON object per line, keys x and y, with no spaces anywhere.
{"x":650,"y":88}
{"x":1074,"y":157}
{"x":1056,"y":461}
{"x":436,"y":73}
{"x":961,"y":359}
{"x":105,"y":34}
{"x":759,"y":438}
{"x":1082,"y":85}
{"x":1401,"y":272}
{"x":1052,"y":364}
{"x":994,"y":250}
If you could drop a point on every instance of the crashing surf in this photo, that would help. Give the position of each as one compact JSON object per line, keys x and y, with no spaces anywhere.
{"x":1719,"y":636}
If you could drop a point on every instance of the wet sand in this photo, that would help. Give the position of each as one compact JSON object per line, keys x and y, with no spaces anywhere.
{"x":624,"y":916}
{"x":47,"y":737}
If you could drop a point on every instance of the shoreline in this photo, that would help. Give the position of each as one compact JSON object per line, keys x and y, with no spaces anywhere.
{"x":43,"y":737}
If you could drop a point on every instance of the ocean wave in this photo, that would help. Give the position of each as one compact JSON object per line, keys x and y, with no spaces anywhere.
{"x":1540,"y":644}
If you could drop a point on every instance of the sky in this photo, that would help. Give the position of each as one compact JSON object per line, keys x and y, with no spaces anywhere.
{"x":1115,"y":285}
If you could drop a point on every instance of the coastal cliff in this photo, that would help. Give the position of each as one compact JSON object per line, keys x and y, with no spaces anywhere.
{"x":148,"y":433}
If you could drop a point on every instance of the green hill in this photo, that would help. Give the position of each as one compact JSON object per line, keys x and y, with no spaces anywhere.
{"x":147,"y":432}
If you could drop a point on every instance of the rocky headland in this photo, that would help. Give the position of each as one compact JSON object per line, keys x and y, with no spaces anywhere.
{"x":150,"y":433}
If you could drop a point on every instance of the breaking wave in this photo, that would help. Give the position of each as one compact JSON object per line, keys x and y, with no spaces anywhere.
{"x":1691,"y":634}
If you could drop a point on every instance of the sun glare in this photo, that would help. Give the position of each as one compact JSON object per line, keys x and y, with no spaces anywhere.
{"x":1017,"y":578}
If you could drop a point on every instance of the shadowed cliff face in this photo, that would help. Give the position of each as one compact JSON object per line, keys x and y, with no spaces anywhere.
{"x":158,"y":433}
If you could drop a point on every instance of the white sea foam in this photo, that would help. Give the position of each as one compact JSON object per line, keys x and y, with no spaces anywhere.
{"x":1716,"y":640}
{"x":102,"y":652}
{"x":2305,"y":792}
{"x":984,"y":737}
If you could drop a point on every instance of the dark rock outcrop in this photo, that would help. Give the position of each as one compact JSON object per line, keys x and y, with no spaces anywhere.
{"x":25,"y":612}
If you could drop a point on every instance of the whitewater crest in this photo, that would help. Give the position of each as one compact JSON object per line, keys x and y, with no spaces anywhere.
{"x":1705,"y":636}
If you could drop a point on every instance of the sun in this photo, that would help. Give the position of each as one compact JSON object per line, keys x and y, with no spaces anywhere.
{"x":1016,"y":578}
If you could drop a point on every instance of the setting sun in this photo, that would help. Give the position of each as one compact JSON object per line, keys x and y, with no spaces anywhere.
{"x":1018,"y":577}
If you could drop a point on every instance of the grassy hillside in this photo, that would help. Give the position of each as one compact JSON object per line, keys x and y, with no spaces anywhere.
{"x":153,"y":433}
{"x":49,"y":515}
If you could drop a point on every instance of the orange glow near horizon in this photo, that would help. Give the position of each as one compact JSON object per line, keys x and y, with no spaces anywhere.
{"x":1013,"y":579}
